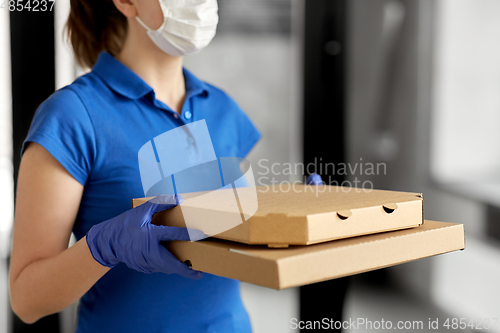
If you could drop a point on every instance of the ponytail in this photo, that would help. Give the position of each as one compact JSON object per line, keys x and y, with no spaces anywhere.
{"x":94,"y":26}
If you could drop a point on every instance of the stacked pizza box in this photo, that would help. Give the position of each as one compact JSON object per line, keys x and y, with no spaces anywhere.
{"x":286,"y":236}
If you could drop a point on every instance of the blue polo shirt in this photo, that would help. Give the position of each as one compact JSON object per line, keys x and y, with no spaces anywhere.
{"x":95,"y":128}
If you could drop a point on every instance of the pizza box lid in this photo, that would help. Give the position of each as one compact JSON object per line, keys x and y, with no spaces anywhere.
{"x":298,"y":215}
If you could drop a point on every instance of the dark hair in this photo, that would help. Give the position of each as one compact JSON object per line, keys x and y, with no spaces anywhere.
{"x":94,"y":26}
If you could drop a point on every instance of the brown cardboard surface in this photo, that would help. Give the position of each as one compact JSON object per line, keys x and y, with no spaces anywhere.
{"x":300,"y":265}
{"x":301,"y":215}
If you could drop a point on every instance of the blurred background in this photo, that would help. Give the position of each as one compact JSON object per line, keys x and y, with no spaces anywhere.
{"x":414,"y":84}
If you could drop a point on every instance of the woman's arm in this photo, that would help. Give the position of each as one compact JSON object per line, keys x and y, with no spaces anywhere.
{"x":45,"y":275}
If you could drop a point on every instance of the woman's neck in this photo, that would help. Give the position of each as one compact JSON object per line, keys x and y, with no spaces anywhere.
{"x":158,"y":69}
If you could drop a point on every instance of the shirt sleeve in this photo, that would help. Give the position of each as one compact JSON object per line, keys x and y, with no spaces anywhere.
{"x":63,"y":127}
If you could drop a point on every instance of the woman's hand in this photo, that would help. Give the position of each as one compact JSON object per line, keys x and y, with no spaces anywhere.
{"x":314,"y":179}
{"x":132,"y":239}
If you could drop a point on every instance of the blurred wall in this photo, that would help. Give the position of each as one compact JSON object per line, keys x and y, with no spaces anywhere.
{"x":466,"y":117}
{"x":465,"y":159}
{"x":424,"y":99}
{"x":6,"y":168}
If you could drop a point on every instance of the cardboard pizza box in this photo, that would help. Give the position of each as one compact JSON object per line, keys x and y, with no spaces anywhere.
{"x":301,"y":265}
{"x":280,"y":216}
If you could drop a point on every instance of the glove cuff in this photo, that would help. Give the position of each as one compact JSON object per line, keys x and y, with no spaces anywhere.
{"x":97,"y":254}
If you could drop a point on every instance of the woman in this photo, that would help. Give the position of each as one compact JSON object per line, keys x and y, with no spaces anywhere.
{"x":79,"y":172}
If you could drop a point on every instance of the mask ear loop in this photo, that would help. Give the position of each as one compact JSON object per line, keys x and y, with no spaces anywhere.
{"x":165,"y":12}
{"x":142,"y":23}
{"x":147,"y":28}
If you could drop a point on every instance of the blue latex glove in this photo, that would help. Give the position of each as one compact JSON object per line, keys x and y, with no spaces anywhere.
{"x":132,"y":239}
{"x":314,"y":179}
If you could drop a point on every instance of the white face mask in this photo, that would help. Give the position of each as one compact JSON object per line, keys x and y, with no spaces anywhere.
{"x":188,"y":26}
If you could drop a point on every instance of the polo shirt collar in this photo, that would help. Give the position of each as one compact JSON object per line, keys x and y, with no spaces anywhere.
{"x":194,"y":86}
{"x":124,"y":81}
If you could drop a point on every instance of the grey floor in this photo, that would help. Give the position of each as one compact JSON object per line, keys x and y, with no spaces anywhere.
{"x":369,"y":298}
{"x":373,"y":303}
